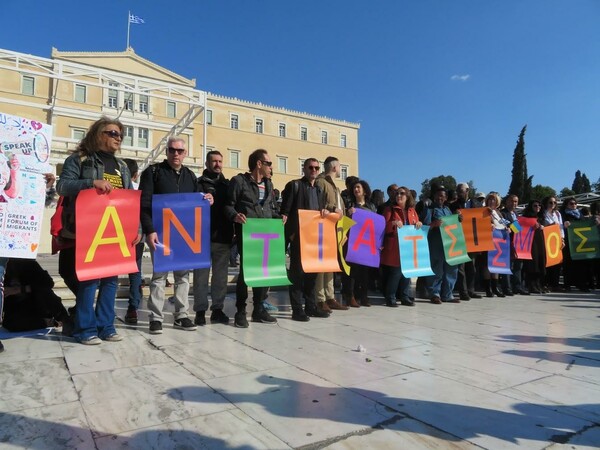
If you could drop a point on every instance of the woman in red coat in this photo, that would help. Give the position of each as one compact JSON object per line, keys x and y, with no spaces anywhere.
{"x":398,"y":213}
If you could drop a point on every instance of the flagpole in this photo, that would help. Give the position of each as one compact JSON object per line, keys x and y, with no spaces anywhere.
{"x":128,"y":26}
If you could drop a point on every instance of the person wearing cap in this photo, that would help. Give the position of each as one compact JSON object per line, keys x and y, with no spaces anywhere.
{"x":441,"y":284}
{"x":479,"y":200}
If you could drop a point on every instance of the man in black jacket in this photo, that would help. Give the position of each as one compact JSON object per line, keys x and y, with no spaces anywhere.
{"x":250,"y":196}
{"x":167,"y":177}
{"x":302,"y":194}
{"x":214,"y":182}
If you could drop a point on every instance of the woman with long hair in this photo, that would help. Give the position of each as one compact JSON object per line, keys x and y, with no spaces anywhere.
{"x":551,"y":216}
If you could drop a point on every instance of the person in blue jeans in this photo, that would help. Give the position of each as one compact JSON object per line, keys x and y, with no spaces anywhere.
{"x":441,"y":284}
{"x":94,"y":165}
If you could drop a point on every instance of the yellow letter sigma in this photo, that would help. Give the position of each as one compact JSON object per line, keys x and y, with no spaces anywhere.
{"x":109,"y":213}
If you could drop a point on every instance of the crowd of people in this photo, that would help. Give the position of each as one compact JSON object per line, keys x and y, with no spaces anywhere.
{"x":95,"y":164}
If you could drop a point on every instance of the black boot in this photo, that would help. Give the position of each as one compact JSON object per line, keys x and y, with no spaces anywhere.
{"x":495,"y":289}
{"x":488,"y":288}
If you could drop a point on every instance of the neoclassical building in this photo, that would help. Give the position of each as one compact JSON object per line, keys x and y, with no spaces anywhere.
{"x":70,"y":90}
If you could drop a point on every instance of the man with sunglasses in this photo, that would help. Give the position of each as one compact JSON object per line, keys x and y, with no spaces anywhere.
{"x":302,"y":194}
{"x":250,"y":196}
{"x":167,"y":177}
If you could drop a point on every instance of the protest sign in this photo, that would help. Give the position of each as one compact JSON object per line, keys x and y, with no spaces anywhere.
{"x":264,"y":253}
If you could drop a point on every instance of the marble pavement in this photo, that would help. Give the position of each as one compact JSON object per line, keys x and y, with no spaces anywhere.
{"x":521,"y":372}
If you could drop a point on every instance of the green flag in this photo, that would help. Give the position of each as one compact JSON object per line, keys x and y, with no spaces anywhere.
{"x":584,"y":239}
{"x":264,"y":253}
{"x":453,"y":238}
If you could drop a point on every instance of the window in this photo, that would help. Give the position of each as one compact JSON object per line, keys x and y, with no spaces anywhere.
{"x":302,"y":166}
{"x":128,"y":103}
{"x":209,"y":116}
{"x":303,"y":133}
{"x":144,"y":103}
{"x":171,"y":109}
{"x":323,"y":137}
{"x":233,"y":121}
{"x":342,"y":140}
{"x":234,"y":159}
{"x":143,"y":137}
{"x":282,"y":165}
{"x":80,"y":92}
{"x":281,"y":129}
{"x":112,"y":96}
{"x":128,"y":136}
{"x":344,"y":172}
{"x":28,"y":87}
{"x":259,"y":125}
{"x":78,"y":134}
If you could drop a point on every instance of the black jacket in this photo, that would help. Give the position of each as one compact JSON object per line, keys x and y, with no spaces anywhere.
{"x":221,"y":228}
{"x":242,"y":197}
{"x":161,"y":178}
{"x":295,"y":197}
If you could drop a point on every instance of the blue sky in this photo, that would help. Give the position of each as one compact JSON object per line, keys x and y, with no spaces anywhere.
{"x":438,"y":86}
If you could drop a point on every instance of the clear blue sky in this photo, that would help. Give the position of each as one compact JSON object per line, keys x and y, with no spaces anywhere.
{"x":438,"y":86}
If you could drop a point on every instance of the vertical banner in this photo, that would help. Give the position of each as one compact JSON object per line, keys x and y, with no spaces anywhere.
{"x":477,"y":229}
{"x":342,"y":228}
{"x":318,"y":249}
{"x":264,"y":253}
{"x":453,"y":238}
{"x":499,"y":258}
{"x":24,"y":155}
{"x":106,"y":227}
{"x":523,"y":240}
{"x":182,"y":222}
{"x":414,"y":251}
{"x":366,"y":238}
{"x":553,"y":242}
{"x":584,"y":239}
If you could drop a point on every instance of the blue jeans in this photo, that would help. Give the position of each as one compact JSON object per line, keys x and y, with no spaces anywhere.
{"x":395,"y":279}
{"x":442,"y":283}
{"x":98,"y":322}
{"x":3,"y":263}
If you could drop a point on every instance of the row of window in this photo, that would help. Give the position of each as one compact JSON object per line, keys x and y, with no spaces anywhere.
{"x":282,"y":163}
{"x":132,"y":137}
{"x":234,"y":122}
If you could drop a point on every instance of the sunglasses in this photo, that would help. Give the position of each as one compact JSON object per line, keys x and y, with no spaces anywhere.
{"x":173,"y":150}
{"x":401,"y":193}
{"x":317,"y":168}
{"x":114,"y":134}
{"x":266,"y":163}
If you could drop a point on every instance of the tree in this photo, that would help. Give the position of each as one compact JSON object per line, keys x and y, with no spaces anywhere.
{"x":586,"y":183}
{"x":448,"y":181}
{"x":596,"y":186}
{"x":538,"y":192}
{"x":577,"y":186}
{"x":521,"y":182}
{"x":566,"y":192}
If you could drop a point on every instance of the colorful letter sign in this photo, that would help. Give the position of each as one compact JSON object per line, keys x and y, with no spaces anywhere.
{"x":553,"y":243}
{"x":523,"y":240}
{"x":24,"y":154}
{"x":477,"y":228}
{"x":264,"y":253}
{"x":106,"y":227}
{"x":182,"y":222}
{"x":584,"y":239}
{"x":499,"y":258}
{"x":455,"y":250}
{"x":318,"y":247}
{"x":414,"y":251}
{"x":342,"y":228}
{"x":366,"y":238}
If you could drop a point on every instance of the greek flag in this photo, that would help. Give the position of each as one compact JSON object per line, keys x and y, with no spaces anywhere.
{"x":135,"y":19}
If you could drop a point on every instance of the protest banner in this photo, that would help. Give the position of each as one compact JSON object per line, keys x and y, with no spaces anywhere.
{"x":264,"y":253}
{"x":106,"y":227}
{"x":499,"y":258}
{"x":24,"y":154}
{"x":366,"y":237}
{"x":584,"y":239}
{"x":523,"y":240}
{"x":182,"y":223}
{"x":342,"y":228}
{"x":553,"y":242}
{"x":477,"y":229}
{"x":453,"y":239}
{"x":318,"y":249}
{"x":414,"y":251}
